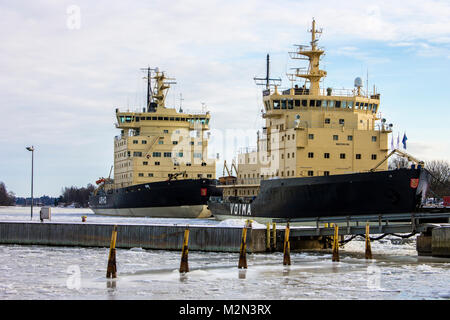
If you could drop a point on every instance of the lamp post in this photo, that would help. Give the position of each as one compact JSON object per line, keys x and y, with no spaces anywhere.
{"x":32,"y":164}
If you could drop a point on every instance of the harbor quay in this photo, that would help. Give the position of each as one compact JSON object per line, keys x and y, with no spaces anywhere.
{"x":433,"y":239}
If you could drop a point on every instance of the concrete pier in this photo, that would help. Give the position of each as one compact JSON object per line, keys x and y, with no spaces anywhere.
{"x":202,"y":238}
{"x":440,"y":241}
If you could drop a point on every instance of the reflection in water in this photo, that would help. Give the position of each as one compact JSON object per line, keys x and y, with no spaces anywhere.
{"x":242,"y":273}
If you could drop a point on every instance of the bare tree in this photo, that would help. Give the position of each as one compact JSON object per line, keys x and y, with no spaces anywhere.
{"x":6,"y":198}
{"x":440,"y":177}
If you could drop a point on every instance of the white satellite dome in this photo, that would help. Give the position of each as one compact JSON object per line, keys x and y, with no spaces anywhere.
{"x":358,"y":82}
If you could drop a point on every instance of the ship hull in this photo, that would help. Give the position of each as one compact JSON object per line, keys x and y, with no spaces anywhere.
{"x":396,"y":191}
{"x":165,"y":199}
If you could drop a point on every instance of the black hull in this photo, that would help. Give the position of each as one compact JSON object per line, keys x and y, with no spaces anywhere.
{"x":396,"y":191}
{"x":176,"y":198}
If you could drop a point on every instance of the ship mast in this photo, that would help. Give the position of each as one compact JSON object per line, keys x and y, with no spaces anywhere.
{"x":313,"y":53}
{"x":267,"y":78}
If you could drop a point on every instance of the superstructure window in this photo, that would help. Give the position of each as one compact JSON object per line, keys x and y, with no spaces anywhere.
{"x":358,"y":156}
{"x":311,"y":136}
{"x":335,"y":137}
{"x":310,"y":173}
{"x":135,"y":142}
{"x":150,"y":174}
{"x":276,"y":104}
{"x":140,"y":174}
{"x":145,"y":163}
{"x":144,"y":141}
{"x":326,"y":155}
{"x":342,"y":156}
{"x":167,"y":154}
{"x":327,"y":121}
{"x":156,"y":154}
{"x":374,"y":157}
{"x":374,"y":139}
{"x":137,"y":154}
{"x":350,"y":138}
{"x":341,"y":121}
{"x":310,"y":154}
{"x":157,"y":163}
{"x":326,"y":173}
{"x":290,"y":104}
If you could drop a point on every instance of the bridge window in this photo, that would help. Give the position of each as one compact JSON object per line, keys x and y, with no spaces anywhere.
{"x":349,"y":104}
{"x":338,"y":104}
{"x":297,"y":103}
{"x":318,"y":103}
{"x":312,"y":103}
{"x":290,"y":104}
{"x":276,"y":104}
{"x":304,"y":103}
{"x":283,"y":104}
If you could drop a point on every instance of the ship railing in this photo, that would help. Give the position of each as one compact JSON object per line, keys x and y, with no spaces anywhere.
{"x":244,"y":150}
{"x":249,"y":181}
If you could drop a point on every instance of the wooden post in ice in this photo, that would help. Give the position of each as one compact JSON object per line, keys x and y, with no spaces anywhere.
{"x":368,"y":247}
{"x":268,"y":246}
{"x":243,"y":249}
{"x":111,"y":271}
{"x":184,"y":266}
{"x":286,"y":247}
{"x":336,"y":244}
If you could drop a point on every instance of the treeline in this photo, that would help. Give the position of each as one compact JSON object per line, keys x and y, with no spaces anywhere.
{"x":77,"y":196}
{"x":6,"y":198}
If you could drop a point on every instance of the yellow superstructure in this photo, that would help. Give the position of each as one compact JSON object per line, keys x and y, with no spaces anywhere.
{"x":313,"y":131}
{"x":160,"y":143}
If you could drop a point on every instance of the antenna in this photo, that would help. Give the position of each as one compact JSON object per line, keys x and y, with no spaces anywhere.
{"x":267,"y":79}
{"x":149,"y":84}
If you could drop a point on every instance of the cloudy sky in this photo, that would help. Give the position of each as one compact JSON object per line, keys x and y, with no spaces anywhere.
{"x":66,"y":65}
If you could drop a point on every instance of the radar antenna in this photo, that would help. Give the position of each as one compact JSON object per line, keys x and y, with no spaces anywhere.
{"x":267,"y":79}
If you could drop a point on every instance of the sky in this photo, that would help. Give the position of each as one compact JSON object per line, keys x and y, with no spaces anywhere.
{"x":66,"y":65}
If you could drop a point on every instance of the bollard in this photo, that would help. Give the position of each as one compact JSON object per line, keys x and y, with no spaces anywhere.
{"x":268,"y":247}
{"x":368,"y":247}
{"x":243,"y":249}
{"x":336,"y":244}
{"x":274,"y":236}
{"x":286,"y":247}
{"x":111,"y":271}
{"x":184,"y":266}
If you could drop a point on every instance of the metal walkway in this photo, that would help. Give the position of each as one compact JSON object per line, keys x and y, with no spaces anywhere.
{"x":392,"y":223}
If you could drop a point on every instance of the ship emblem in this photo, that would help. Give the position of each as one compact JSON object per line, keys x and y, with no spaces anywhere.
{"x":414,"y":183}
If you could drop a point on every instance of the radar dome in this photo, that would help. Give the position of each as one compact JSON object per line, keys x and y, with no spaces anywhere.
{"x":358,"y":82}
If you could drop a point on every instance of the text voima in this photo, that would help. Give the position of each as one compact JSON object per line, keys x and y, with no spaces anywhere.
{"x":241,"y":209}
